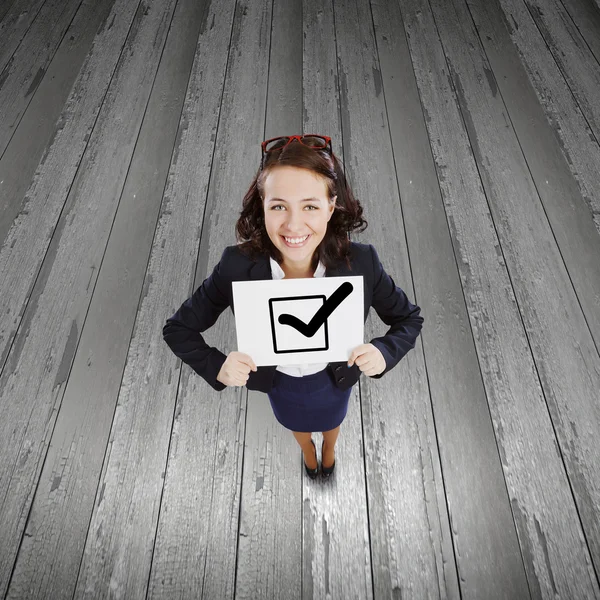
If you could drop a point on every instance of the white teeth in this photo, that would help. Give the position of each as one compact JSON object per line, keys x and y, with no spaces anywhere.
{"x":295,"y":240}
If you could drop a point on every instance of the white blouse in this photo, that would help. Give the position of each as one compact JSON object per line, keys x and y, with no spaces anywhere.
{"x":305,"y":369}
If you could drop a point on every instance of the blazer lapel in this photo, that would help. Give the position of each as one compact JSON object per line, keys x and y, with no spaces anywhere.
{"x":261,"y":269}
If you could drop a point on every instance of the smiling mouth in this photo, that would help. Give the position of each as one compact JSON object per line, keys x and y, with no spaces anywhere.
{"x":299,"y":245}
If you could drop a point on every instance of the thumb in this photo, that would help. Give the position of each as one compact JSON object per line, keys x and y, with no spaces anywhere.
{"x":356,"y":353}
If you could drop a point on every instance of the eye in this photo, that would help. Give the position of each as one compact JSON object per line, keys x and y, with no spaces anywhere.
{"x":307,"y":206}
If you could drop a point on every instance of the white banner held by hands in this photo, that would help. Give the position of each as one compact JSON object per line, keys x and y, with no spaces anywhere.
{"x":299,"y":321}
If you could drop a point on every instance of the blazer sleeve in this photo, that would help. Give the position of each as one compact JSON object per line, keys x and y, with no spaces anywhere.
{"x":394,"y":309}
{"x":199,"y":312}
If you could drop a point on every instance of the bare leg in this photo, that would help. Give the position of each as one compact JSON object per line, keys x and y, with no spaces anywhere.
{"x":330,"y":437}
{"x":309,"y":451}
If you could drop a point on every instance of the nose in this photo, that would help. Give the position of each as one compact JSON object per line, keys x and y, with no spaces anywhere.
{"x":295,"y":221}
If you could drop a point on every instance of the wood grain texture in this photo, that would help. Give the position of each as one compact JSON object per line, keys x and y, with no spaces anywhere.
{"x":64,"y":499}
{"x":29,"y":237}
{"x":5,"y":7}
{"x":586,"y":17}
{"x":53,"y":319}
{"x":577,"y":63}
{"x":29,"y":63}
{"x":38,"y":125}
{"x":197,"y":524}
{"x":577,"y":239}
{"x":481,"y":546}
{"x":578,"y":143}
{"x":16,"y":21}
{"x":522,"y":308}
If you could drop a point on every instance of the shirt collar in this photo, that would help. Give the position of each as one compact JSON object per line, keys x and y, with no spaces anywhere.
{"x":278,"y":273}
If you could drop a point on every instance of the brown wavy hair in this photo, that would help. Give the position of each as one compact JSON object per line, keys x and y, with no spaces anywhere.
{"x":250,"y":230}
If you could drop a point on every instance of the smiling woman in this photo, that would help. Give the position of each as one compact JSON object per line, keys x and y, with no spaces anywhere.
{"x":300,"y":190}
{"x":294,"y":223}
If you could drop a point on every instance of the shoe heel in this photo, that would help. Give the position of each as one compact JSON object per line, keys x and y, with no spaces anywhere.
{"x":312,"y":473}
{"x":326,"y":471}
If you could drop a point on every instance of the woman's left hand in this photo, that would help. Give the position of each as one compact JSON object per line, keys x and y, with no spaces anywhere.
{"x":368,"y":358}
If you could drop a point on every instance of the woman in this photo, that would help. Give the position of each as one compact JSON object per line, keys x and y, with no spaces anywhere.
{"x":294,"y":223}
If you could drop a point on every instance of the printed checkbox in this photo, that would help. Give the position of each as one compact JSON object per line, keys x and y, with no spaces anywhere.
{"x":287,"y":338}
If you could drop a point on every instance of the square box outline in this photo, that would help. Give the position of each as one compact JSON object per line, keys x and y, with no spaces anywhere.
{"x":273,"y":336}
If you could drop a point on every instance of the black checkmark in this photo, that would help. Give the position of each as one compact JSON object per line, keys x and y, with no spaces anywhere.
{"x":321,"y":315}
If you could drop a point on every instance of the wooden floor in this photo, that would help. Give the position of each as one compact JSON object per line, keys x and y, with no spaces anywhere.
{"x":129,"y":133}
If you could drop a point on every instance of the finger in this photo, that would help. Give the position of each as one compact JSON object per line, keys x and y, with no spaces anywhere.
{"x":247,"y":360}
{"x":367,"y":365}
{"x":363,"y":360}
{"x":354,"y":356}
{"x":356,"y":352}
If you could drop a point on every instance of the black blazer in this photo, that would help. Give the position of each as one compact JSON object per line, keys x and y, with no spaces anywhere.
{"x":199,"y":312}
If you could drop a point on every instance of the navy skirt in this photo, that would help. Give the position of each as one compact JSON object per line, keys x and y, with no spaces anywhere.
{"x":309,"y":403}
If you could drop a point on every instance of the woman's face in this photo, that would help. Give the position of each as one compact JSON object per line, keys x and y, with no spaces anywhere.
{"x":295,"y":206}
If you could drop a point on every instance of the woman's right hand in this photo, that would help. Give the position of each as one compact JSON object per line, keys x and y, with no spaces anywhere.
{"x":236,"y":369}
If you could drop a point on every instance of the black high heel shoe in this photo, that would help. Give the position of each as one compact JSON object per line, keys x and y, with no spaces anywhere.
{"x":326,"y":471}
{"x":312,"y":473}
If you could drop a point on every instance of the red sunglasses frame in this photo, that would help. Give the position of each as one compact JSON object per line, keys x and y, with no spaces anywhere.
{"x":263,"y":145}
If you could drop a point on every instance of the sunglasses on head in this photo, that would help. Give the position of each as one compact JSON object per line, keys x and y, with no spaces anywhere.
{"x":311,"y":140}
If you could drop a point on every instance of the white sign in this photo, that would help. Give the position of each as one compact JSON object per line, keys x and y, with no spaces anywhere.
{"x":299,"y":321}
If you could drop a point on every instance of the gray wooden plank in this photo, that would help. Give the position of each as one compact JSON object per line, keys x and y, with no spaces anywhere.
{"x":13,"y":27}
{"x":540,"y":316}
{"x":577,"y":142}
{"x":27,"y":241}
{"x":5,"y":7}
{"x":482,"y":532}
{"x":37,"y":127}
{"x":558,"y":295}
{"x":554,"y":175}
{"x":408,"y":521}
{"x":572,"y":54}
{"x":28,"y":65}
{"x":194,"y":527}
{"x":64,"y":500}
{"x":586,"y":16}
{"x":33,"y":381}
